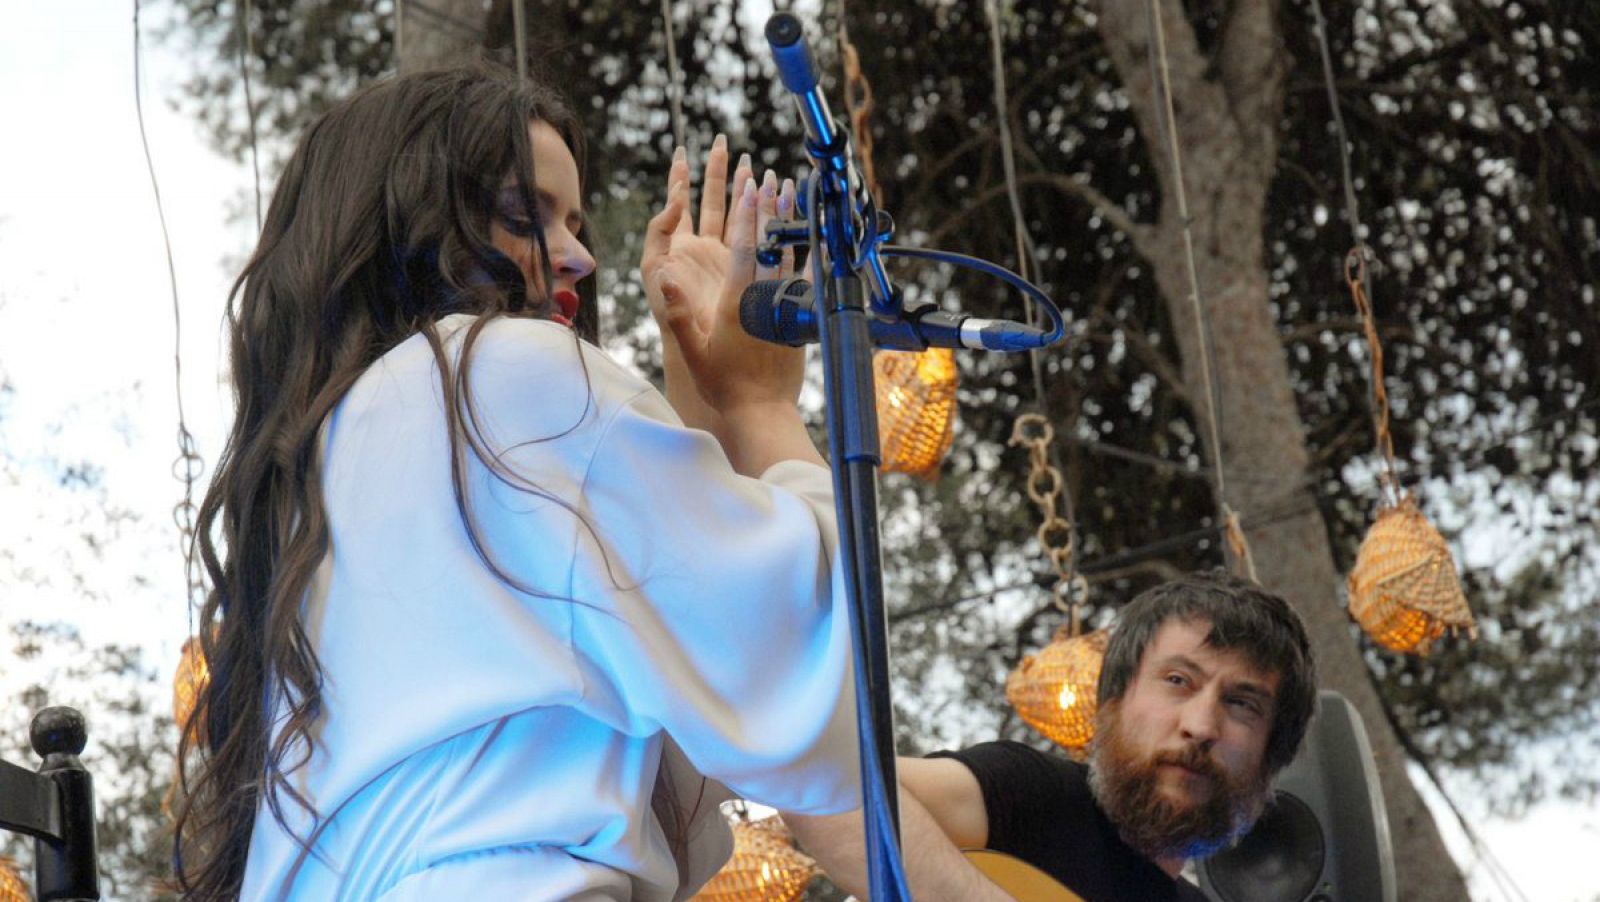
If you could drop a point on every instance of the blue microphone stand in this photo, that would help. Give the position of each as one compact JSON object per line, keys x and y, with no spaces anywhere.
{"x":836,"y":236}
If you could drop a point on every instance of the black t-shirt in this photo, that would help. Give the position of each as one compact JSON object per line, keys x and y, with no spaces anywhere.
{"x":1041,"y":811}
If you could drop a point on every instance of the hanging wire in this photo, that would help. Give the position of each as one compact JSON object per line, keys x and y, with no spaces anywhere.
{"x":1025,"y":249}
{"x":674,"y":77}
{"x":519,"y":22}
{"x":247,"y":52}
{"x":1357,"y":230}
{"x":1168,"y":118}
{"x":188,"y":464}
{"x":1355,"y":267}
{"x":1027,"y":268}
{"x":399,"y":32}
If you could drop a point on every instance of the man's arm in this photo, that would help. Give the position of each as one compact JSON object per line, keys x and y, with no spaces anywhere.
{"x":941,"y":811}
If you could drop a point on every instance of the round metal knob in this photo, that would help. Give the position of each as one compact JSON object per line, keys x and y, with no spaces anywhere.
{"x":57,"y":730}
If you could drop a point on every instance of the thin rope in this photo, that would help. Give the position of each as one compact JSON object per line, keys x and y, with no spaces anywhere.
{"x":674,"y":77}
{"x":1168,"y":117}
{"x":188,"y":464}
{"x":519,"y":21}
{"x":247,"y":52}
{"x":399,"y":32}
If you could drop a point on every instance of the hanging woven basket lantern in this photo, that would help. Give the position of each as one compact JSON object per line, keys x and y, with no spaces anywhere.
{"x":765,"y":866}
{"x":1403,"y":588}
{"x":12,"y":889}
{"x":1055,"y":690}
{"x":190,"y":682}
{"x":916,"y":394}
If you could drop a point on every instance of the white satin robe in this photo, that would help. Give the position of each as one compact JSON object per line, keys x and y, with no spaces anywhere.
{"x":481,"y":742}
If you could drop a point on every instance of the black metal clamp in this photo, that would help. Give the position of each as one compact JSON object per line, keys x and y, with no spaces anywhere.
{"x":56,"y":807}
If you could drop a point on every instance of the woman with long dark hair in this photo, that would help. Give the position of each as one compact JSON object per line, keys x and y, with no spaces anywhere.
{"x":490,"y":617}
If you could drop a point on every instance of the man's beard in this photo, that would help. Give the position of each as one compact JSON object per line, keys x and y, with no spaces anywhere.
{"x":1127,"y":785}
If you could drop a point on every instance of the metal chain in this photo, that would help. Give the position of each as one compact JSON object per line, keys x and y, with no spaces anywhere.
{"x":858,"y":101}
{"x":188,"y":465}
{"x":1055,"y":533}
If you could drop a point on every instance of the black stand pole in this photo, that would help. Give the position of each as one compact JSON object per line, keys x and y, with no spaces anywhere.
{"x":832,"y":214}
{"x":854,"y":453}
{"x":56,"y":807}
{"x":845,"y":232}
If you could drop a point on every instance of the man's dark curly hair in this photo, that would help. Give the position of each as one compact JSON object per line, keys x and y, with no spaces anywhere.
{"x":1244,"y":617}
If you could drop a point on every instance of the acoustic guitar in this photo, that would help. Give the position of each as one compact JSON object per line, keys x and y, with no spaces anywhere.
{"x":1021,"y":880}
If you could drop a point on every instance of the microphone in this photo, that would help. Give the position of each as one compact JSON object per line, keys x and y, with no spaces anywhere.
{"x":783,"y":311}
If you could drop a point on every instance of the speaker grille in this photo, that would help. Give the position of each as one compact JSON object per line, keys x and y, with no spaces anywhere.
{"x":1280,"y":860}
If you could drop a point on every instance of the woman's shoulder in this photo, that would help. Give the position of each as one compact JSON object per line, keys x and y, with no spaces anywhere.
{"x":537,"y":349}
{"x":523,"y":377}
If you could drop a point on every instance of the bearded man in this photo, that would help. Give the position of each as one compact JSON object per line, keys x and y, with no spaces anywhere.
{"x":1206,"y":692}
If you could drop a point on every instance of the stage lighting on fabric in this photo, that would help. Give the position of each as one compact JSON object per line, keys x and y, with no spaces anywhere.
{"x":765,"y":866}
{"x":916,"y":394}
{"x":1054,"y":691}
{"x":1403,"y":588}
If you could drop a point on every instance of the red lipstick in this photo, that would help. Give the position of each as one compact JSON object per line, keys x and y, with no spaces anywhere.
{"x":566,"y":301}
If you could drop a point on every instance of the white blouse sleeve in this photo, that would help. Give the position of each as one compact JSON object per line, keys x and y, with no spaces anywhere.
{"x":703,"y":603}
{"x":718,"y":610}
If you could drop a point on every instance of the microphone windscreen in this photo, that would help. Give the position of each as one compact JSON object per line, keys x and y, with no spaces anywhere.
{"x":779,"y":311}
{"x":755,"y":309}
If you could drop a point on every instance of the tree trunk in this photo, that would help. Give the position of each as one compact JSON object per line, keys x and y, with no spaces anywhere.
{"x":1227,"y":111}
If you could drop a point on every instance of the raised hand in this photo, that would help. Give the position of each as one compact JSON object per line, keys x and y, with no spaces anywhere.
{"x":694,"y":277}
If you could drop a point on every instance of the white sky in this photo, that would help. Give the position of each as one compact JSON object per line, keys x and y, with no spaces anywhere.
{"x":86,"y":341}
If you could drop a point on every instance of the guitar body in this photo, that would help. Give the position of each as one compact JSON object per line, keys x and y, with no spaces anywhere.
{"x":1022,"y":881}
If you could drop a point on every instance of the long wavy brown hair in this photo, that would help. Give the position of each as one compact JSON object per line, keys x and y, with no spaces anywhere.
{"x":378,"y":228}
